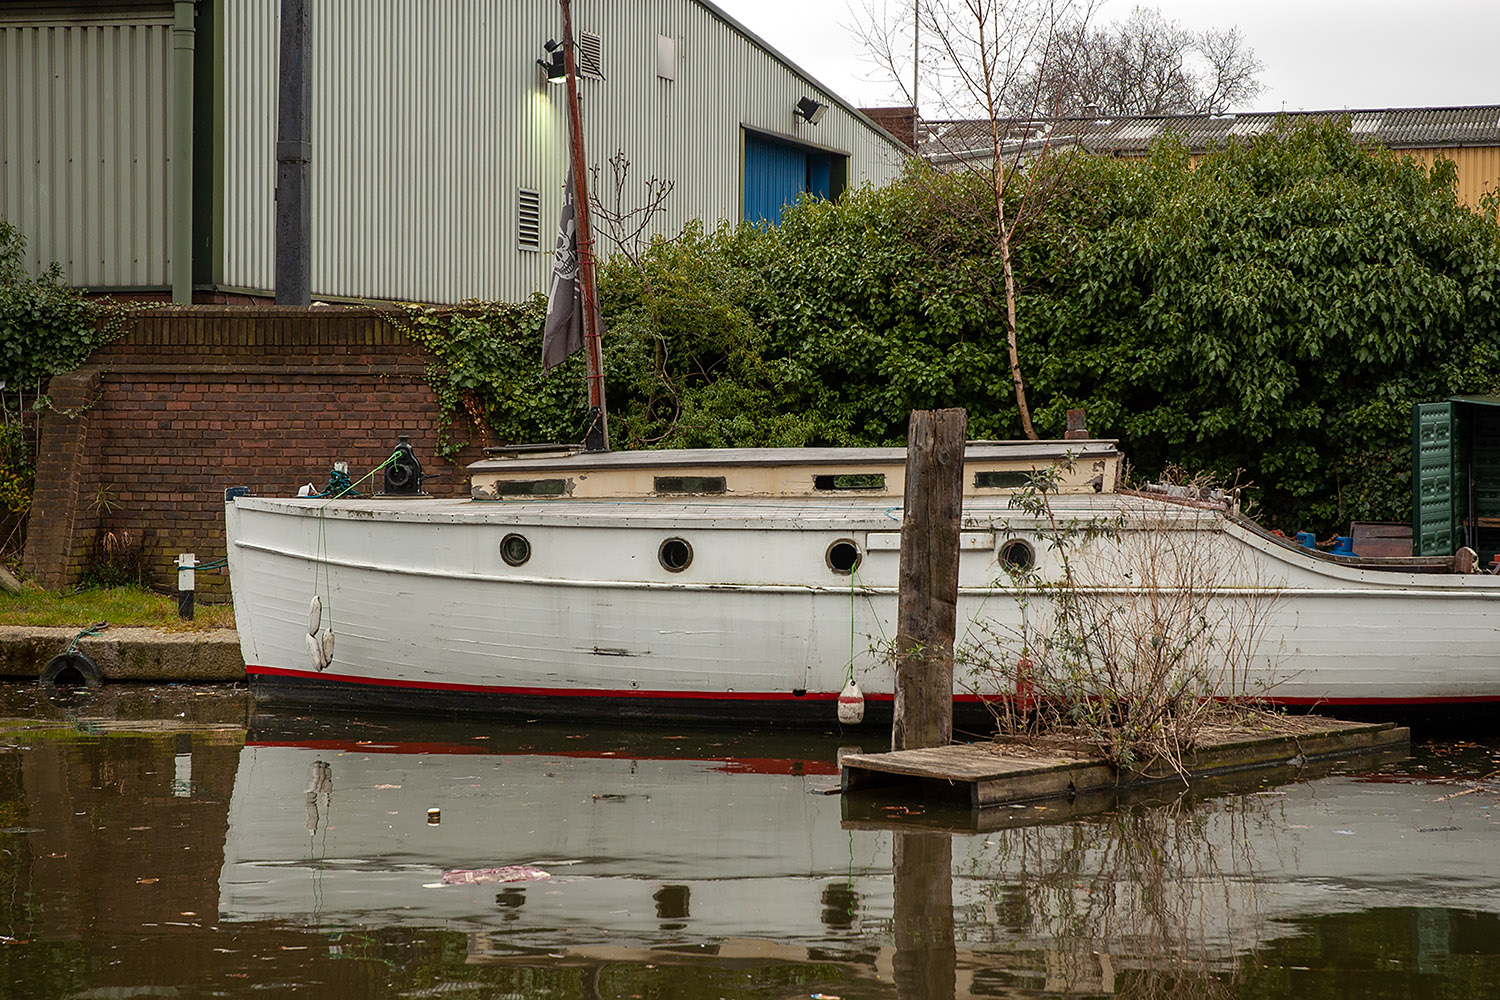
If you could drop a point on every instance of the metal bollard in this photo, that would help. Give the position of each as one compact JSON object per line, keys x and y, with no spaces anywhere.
{"x":186,"y":562}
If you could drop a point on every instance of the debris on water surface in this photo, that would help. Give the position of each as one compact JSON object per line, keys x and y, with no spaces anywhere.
{"x":508,"y":873}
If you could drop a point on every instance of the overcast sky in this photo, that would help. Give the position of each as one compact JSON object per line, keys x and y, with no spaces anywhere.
{"x":1318,"y":54}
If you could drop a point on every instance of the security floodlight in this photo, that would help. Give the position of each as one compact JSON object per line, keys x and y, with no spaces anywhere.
{"x":555,"y":64}
{"x":810,"y":110}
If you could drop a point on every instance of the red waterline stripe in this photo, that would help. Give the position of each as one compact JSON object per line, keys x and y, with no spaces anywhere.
{"x":730,"y":765}
{"x":1463,"y":699}
{"x":1485,"y":699}
{"x":255,"y":670}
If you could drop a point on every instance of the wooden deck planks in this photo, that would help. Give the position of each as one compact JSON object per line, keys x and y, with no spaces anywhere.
{"x":986,"y":775}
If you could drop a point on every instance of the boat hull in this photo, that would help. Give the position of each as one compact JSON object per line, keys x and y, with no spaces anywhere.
{"x":761,"y":628}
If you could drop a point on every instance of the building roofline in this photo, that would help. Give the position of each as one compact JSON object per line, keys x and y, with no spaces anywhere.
{"x":807,"y":77}
{"x":1102,"y":133}
{"x":1226,"y":116}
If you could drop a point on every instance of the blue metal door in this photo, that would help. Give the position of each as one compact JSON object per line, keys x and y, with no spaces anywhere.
{"x":819,"y":175}
{"x":775,"y":174}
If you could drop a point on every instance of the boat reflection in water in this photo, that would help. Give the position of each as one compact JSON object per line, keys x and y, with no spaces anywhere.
{"x":298,"y":855}
{"x":724,"y":830}
{"x":715,"y":850}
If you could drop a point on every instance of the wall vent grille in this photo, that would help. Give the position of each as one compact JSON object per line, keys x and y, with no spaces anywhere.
{"x":528,"y":220}
{"x":590,"y":55}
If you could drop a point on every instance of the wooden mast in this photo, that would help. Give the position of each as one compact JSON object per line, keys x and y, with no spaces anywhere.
{"x":597,"y":438}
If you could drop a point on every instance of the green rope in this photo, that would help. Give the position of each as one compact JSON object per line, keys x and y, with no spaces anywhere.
{"x":853,"y":607}
{"x":350,"y":488}
{"x":320,"y":566}
{"x":93,"y":629}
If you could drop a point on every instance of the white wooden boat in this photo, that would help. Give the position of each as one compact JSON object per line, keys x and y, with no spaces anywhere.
{"x":753,"y":585}
{"x":757,"y":585}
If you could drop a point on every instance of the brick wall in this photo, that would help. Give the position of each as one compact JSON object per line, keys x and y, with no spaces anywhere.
{"x":193,"y":399}
{"x":900,"y":122}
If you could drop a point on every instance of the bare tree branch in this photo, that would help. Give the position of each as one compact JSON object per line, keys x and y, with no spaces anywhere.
{"x":1148,"y":65}
{"x":625,"y":222}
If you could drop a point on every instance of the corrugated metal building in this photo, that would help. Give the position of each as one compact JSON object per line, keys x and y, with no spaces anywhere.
{"x":1469,"y":136}
{"x":439,"y":150}
{"x":84,"y":137}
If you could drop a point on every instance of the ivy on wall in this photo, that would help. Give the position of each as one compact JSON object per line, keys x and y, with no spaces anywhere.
{"x":46,"y":329}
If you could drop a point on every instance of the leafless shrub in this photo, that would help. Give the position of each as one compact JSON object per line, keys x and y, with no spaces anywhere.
{"x":1139,"y":632}
{"x":626,"y":223}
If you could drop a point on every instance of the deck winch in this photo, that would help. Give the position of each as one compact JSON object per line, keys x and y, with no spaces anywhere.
{"x":403,"y":473}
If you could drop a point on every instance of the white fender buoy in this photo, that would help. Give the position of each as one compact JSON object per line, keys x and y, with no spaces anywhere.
{"x":327,"y":646}
{"x":315,"y":653}
{"x":851,"y":705}
{"x":314,"y":615}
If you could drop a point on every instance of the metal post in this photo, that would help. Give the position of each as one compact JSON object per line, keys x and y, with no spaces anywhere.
{"x":597,"y":438}
{"x":182,"y":151}
{"x":293,"y":154}
{"x":187,"y":562}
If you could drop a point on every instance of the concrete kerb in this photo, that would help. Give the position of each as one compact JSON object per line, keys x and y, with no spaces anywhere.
{"x":125,"y":653}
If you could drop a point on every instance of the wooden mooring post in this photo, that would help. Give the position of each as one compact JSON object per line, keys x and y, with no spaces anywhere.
{"x":926,"y":615}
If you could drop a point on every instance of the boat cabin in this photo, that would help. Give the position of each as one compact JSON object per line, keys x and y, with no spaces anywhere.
{"x":990,"y":467}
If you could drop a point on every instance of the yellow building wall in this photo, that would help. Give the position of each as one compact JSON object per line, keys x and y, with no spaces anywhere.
{"x":1478,"y":168}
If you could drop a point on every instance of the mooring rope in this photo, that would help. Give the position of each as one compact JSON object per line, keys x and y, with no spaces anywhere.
{"x":320,"y":562}
{"x":93,"y":629}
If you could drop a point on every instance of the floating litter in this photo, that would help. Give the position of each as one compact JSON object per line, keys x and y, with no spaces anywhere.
{"x":508,"y":873}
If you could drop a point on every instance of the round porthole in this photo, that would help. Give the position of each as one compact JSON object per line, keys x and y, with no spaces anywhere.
{"x":515,"y":549}
{"x":1017,"y":556}
{"x":843,"y":556}
{"x":675,"y":555}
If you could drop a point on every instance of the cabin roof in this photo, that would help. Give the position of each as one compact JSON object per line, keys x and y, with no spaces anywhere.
{"x":503,"y":461}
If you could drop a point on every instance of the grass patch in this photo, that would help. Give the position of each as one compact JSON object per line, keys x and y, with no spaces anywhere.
{"x":128,"y":605}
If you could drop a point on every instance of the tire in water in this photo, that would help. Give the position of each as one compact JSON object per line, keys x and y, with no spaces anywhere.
{"x":71,"y":669}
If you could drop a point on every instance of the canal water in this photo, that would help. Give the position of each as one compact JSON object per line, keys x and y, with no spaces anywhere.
{"x":173,"y":842}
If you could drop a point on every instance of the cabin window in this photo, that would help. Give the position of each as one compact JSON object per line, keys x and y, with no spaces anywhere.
{"x":850,"y":481}
{"x":1000,"y":480}
{"x":1017,"y":556}
{"x":689,"y":484}
{"x":531,"y":487}
{"x":675,"y":555}
{"x":515,"y":549}
{"x":843,"y":556}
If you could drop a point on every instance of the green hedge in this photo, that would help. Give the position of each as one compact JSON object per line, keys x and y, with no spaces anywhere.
{"x":1274,"y":309}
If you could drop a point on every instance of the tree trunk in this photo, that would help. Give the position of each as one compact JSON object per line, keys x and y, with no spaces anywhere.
{"x":1010,"y":304}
